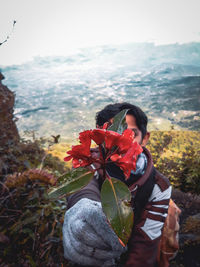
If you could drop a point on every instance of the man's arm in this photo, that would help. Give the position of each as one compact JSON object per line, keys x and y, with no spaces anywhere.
{"x":87,"y":237}
{"x":91,"y":191}
{"x":144,"y":241}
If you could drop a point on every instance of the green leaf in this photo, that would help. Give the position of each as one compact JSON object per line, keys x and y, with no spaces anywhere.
{"x":71,"y":175}
{"x":115,"y":198}
{"x":119,"y":122}
{"x":80,"y":178}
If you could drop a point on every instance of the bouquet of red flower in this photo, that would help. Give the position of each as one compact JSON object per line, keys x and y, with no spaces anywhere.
{"x":113,"y":146}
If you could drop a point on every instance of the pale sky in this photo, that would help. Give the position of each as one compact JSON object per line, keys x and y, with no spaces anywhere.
{"x":57,"y":27}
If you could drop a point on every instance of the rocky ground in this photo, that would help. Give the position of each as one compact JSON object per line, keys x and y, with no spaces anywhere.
{"x":8,"y":131}
{"x":189,"y":252}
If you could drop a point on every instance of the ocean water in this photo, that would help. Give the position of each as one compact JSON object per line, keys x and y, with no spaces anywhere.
{"x":61,"y":95}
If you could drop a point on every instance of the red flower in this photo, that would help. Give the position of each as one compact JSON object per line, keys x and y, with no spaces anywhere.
{"x":112,"y":139}
{"x":81,"y":154}
{"x":85,"y":138}
{"x":126,"y":140}
{"x":105,"y":125}
{"x":98,"y":136}
{"x":127,"y":162}
{"x":124,"y":155}
{"x":81,"y":162}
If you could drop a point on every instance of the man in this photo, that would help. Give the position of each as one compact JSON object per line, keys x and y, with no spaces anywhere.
{"x":88,"y":239}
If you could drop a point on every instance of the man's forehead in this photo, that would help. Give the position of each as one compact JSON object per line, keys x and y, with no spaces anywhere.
{"x":131,"y":122}
{"x":130,"y":118}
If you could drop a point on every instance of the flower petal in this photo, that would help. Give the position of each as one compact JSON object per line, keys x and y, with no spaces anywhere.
{"x":127,"y":162}
{"x":98,"y":136}
{"x":68,"y":158}
{"x":115,"y":157}
{"x":112,"y":139}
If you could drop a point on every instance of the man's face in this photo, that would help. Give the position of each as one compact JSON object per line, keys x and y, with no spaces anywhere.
{"x":131,"y":124}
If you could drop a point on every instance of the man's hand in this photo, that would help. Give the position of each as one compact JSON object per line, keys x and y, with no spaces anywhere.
{"x":96,"y":155}
{"x":87,"y":237}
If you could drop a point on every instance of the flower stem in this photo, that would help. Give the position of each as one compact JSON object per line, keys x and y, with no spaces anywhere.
{"x":111,"y":153}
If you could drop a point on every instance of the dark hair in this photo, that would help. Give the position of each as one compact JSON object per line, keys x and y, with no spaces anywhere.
{"x":111,"y":110}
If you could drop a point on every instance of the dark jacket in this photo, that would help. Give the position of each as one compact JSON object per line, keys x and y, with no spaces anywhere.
{"x":150,"y":199}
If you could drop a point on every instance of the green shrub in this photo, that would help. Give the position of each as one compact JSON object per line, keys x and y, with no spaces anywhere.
{"x":26,"y":155}
{"x":177,"y":155}
{"x":30,"y":224}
